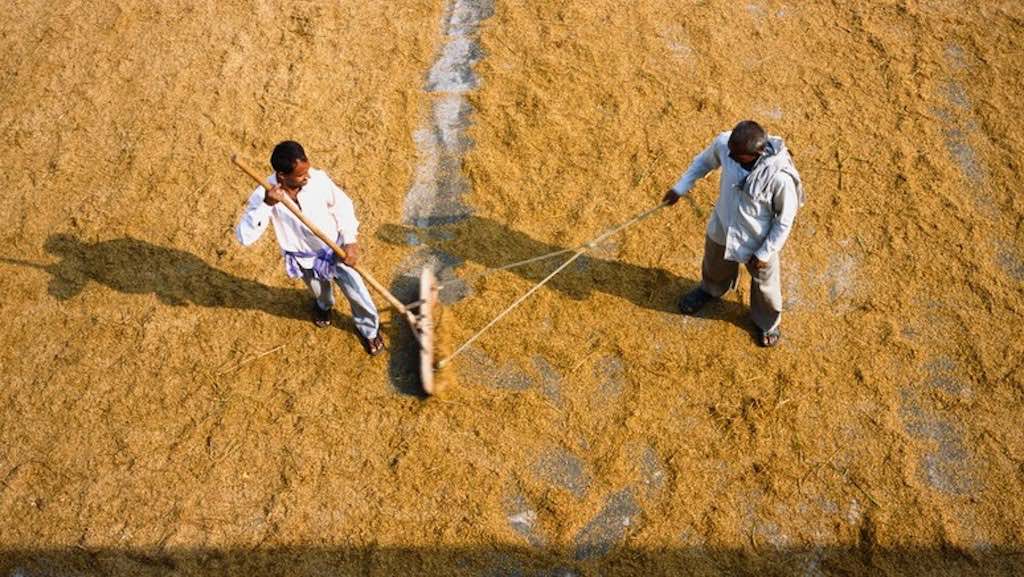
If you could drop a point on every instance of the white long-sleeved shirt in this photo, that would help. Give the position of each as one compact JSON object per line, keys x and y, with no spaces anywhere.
{"x":321,"y":201}
{"x":743,"y":225}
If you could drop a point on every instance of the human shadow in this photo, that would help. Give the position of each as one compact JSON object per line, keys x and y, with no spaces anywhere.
{"x":864,"y":558}
{"x":492,"y":244}
{"x":176,"y":277}
{"x":403,"y":348}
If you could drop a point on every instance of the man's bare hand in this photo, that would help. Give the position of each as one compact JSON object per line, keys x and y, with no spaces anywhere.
{"x":670,"y":197}
{"x":274,"y":195}
{"x":757,"y":264}
{"x":351,"y":254}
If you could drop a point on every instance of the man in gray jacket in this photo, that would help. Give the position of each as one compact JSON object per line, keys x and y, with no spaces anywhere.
{"x":759,"y":194}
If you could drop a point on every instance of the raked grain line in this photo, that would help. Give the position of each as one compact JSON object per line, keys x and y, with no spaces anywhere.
{"x":435,"y":196}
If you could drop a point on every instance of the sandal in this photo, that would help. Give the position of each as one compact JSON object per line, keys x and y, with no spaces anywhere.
{"x":321,"y":317}
{"x":694,"y":300}
{"x":375,"y":346}
{"x":771,"y":338}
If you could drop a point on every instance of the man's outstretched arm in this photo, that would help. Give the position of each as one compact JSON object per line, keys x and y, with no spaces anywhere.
{"x":702,"y":164}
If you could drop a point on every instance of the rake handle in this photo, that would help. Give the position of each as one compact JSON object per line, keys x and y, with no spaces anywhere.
{"x":291,"y":206}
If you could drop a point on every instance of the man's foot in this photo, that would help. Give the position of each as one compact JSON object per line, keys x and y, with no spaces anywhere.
{"x":374,"y":346}
{"x":694,"y":300}
{"x":321,"y":317}
{"x":771,"y":338}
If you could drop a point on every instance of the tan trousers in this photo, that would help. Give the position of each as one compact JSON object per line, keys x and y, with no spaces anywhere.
{"x":719,"y":276}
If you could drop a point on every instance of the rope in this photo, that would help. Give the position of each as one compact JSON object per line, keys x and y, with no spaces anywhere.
{"x":522,"y":263}
{"x":578,"y":252}
{"x":585,"y":246}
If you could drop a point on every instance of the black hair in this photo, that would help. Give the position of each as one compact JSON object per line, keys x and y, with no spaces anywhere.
{"x":747,"y":138}
{"x":286,"y":155}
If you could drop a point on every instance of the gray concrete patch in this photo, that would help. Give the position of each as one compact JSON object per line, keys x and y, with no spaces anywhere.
{"x":453,"y":70}
{"x":451,"y":119}
{"x":963,"y":153}
{"x":481,"y":369}
{"x":435,"y":197}
{"x":564,"y":470}
{"x":769,"y":532}
{"x":956,"y":57}
{"x":957,"y":134}
{"x":792,"y":297}
{"x":956,"y":95}
{"x":841,"y":277}
{"x":610,"y":373}
{"x":945,"y":464}
{"x":652,"y":471}
{"x":1011,"y":263}
{"x":942,"y":376}
{"x":522,"y":518}
{"x":762,"y":531}
{"x":464,"y":16}
{"x":609,"y":527}
{"x":550,"y":380}
{"x":827,"y":506}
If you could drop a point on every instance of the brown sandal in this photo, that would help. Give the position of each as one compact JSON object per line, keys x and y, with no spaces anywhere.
{"x":771,"y":338}
{"x":375,"y":346}
{"x":321,"y":317}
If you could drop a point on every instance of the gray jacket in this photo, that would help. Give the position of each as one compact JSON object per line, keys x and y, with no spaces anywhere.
{"x":755,"y":209}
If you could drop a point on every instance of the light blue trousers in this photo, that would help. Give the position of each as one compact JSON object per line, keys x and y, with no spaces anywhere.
{"x":364,"y":312}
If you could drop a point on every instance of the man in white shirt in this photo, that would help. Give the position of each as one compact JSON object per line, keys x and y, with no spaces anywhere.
{"x":759,"y":194}
{"x":305,"y":255}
